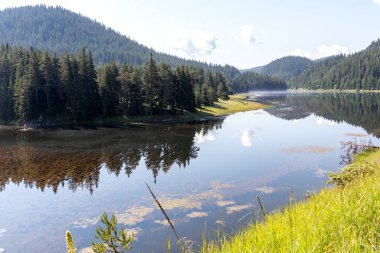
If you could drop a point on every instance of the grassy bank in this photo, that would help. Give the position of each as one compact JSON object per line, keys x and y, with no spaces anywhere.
{"x":236,"y":103}
{"x":342,"y":219}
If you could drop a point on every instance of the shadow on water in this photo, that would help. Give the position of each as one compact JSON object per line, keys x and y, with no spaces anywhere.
{"x":50,"y":159}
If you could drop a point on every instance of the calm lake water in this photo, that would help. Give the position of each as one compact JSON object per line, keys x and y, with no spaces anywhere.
{"x":206,"y":175}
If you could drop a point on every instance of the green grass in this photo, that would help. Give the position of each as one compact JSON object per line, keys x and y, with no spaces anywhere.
{"x":235,"y":104}
{"x":341,"y":219}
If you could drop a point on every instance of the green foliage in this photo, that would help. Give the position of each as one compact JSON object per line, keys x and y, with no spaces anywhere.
{"x":62,"y":31}
{"x":70,"y":243}
{"x":113,"y":240}
{"x":39,"y":88}
{"x":356,"y":71}
{"x":287,"y":67}
{"x":343,"y":219}
{"x":252,"y":81}
{"x":351,"y":173}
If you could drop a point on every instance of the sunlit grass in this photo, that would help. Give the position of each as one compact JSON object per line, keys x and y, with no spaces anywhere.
{"x":236,"y":103}
{"x":342,"y":219}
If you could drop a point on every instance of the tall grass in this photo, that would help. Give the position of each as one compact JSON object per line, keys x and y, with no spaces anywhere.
{"x":343,"y":219}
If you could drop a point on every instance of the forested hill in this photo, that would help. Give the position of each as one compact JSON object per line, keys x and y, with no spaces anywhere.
{"x":287,"y":67}
{"x":356,"y":71}
{"x":59,"y":30}
{"x":253,"y":81}
{"x":315,"y":77}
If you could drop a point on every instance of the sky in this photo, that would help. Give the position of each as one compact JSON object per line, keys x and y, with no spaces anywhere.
{"x":242,"y":33}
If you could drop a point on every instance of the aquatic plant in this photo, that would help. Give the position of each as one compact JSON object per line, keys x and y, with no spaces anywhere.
{"x":342,"y":219}
{"x":113,"y":240}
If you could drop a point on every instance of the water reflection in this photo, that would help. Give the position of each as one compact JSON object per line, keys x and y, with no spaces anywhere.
{"x":354,"y":108}
{"x":74,"y":158}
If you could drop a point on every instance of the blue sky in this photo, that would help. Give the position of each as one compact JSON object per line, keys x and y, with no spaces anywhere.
{"x":241,"y":33}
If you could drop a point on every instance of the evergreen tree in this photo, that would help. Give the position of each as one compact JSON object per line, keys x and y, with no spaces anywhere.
{"x":151,"y":87}
{"x":110,"y":89}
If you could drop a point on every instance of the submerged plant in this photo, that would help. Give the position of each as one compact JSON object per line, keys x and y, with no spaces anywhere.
{"x":115,"y":241}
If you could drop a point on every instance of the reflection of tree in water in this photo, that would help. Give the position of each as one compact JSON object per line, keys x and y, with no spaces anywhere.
{"x":48,"y":169}
{"x":356,"y":109}
{"x":76,"y":163}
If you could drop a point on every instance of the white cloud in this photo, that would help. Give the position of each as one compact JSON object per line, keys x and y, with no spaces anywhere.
{"x":247,"y":34}
{"x":190,"y":43}
{"x":321,"y":52}
{"x":334,"y":49}
{"x":376,"y":1}
{"x":246,"y":138}
{"x":201,"y":137}
{"x":322,"y":121}
{"x":300,"y":52}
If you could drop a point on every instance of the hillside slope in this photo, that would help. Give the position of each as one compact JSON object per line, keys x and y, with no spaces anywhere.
{"x":287,"y":67}
{"x":356,"y":71}
{"x":59,"y":30}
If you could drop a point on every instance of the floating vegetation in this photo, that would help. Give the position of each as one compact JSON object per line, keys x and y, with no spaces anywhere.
{"x":85,"y":222}
{"x":266,"y":189}
{"x":196,"y":215}
{"x":238,"y":208}
{"x":134,"y":215}
{"x":163,"y":222}
{"x":308,"y":149}
{"x":342,"y":219}
{"x":356,"y":135}
{"x":223,"y":203}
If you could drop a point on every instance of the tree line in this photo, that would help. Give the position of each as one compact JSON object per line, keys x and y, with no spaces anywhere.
{"x":36,"y":85}
{"x":287,"y":67}
{"x":360,"y":70}
{"x":59,"y":30}
{"x":253,"y":81}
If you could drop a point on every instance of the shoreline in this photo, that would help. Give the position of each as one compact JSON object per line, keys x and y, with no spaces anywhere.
{"x":335,"y":91}
{"x":323,"y":222}
{"x":220,"y":110}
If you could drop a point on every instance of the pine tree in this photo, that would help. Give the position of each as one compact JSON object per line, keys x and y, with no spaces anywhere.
{"x":151,"y":86}
{"x":110,"y":89}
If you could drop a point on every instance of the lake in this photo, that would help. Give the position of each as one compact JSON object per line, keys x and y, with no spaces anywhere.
{"x":206,"y":175}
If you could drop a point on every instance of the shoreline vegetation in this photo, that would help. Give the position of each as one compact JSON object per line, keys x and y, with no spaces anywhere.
{"x":43,"y":90}
{"x":220,"y":109}
{"x":345,"y":218}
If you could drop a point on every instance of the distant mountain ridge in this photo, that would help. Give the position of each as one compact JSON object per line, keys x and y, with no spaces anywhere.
{"x":285,"y":68}
{"x":257,"y":69}
{"x":59,"y":30}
